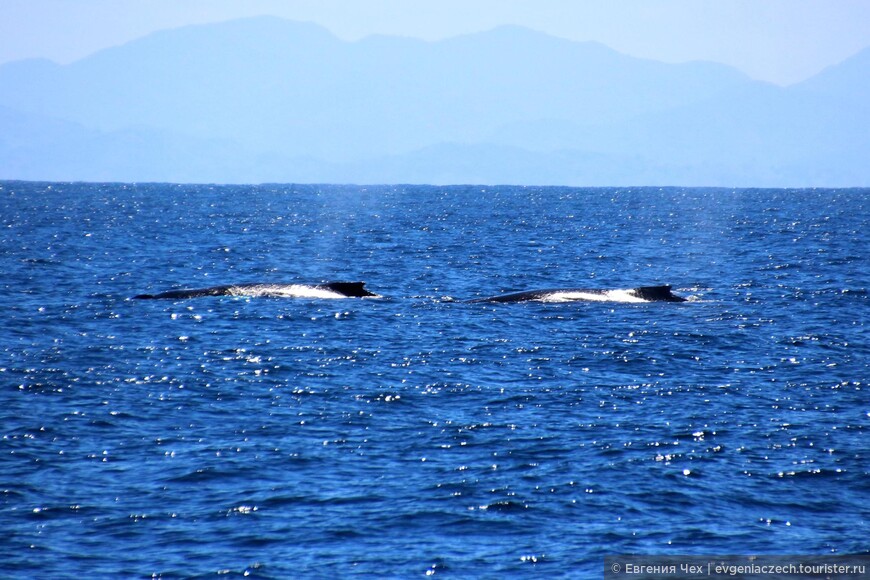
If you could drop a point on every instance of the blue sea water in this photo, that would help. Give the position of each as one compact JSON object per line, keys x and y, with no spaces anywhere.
{"x":416,"y":434}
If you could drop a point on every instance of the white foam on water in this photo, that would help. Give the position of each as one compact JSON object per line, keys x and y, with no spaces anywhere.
{"x":605,"y":296}
{"x":285,"y":291}
{"x":624,"y":296}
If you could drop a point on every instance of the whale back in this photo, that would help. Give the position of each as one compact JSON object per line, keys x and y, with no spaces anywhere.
{"x":657,"y":294}
{"x":641,"y":294}
{"x":346,"y":289}
{"x":350,"y":289}
{"x":186,"y":293}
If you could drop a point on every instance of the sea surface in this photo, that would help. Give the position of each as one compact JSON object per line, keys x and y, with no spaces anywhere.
{"x":416,"y":434}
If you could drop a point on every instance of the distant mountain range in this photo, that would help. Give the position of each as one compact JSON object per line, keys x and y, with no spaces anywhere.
{"x":270,"y":100}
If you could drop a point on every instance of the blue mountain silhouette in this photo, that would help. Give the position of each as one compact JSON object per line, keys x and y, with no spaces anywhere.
{"x":265,"y":99}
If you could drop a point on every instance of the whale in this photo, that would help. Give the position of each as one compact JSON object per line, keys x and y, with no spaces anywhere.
{"x":641,"y":294}
{"x":326,"y":290}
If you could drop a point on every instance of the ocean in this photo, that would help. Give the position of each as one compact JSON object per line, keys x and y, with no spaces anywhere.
{"x":417,"y":434}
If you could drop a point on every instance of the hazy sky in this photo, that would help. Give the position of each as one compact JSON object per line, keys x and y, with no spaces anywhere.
{"x":782,"y":41}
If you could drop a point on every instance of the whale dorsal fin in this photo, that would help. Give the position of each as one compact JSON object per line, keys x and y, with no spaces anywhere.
{"x":354,"y":289}
{"x":657,"y":294}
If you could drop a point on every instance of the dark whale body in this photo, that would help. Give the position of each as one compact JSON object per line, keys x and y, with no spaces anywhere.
{"x":641,"y":294}
{"x":325,"y":290}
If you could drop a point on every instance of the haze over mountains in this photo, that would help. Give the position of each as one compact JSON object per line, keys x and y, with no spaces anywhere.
{"x":270,"y":100}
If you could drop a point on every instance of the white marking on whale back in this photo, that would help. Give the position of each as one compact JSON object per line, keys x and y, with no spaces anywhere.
{"x":285,"y":291}
{"x":604,"y":296}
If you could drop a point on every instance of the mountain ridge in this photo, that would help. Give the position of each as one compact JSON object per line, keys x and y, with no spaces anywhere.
{"x":290,"y":101}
